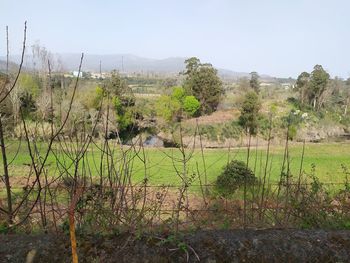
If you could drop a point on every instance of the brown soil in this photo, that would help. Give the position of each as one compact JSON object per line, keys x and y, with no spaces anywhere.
{"x":216,"y":117}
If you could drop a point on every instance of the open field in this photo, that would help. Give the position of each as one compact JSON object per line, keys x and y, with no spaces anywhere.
{"x":328,"y":159}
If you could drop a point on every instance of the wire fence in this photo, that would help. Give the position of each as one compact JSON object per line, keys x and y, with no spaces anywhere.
{"x":200,"y":206}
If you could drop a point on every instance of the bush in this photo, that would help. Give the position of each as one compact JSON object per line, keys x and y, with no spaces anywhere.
{"x":191,"y":105}
{"x":234,"y":175}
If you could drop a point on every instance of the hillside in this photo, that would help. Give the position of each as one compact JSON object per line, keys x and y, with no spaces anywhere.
{"x":129,"y":63}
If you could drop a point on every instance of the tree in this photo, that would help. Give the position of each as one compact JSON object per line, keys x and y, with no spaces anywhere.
{"x":312,"y":87}
{"x":117,"y":86}
{"x":125,"y":114}
{"x":120,"y":96}
{"x":203,"y":83}
{"x":302,"y":86}
{"x":27,"y":104}
{"x":337,"y":92}
{"x":318,"y":84}
{"x":173,"y":107}
{"x":250,"y":113}
{"x":168,"y":108}
{"x":192,"y":64}
{"x":254,"y":82}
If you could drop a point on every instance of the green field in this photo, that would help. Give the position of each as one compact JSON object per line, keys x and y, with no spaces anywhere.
{"x":328,"y":159}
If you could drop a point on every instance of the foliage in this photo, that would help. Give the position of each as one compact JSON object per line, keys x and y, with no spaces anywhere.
{"x":215,"y":132}
{"x":235,"y":174}
{"x":302,"y":86}
{"x":254,"y":82}
{"x":203,"y":83}
{"x":168,"y":108}
{"x":126,"y":119}
{"x":117,"y":104}
{"x":318,"y":82}
{"x":123,"y":102}
{"x":178,"y":93}
{"x":250,"y":112}
{"x":91,"y":98}
{"x":317,"y":207}
{"x":171,"y":108}
{"x":98,"y":96}
{"x":29,"y":84}
{"x":264,"y":124}
{"x":27,"y":104}
{"x":125,"y":115}
{"x":191,"y":105}
{"x":312,"y":87}
{"x":117,"y":86}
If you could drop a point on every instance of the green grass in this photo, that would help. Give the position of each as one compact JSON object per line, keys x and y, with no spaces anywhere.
{"x":327,"y":157}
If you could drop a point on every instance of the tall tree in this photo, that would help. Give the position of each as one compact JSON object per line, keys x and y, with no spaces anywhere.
{"x":117,"y":86}
{"x":254,"y":82}
{"x":250,"y":113}
{"x":203,"y":83}
{"x":301,"y":86}
{"x":312,"y":87}
{"x":318,"y":83}
{"x":192,"y":64}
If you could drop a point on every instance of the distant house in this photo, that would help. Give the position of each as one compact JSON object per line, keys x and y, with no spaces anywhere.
{"x":287,"y":85}
{"x":76,"y":73}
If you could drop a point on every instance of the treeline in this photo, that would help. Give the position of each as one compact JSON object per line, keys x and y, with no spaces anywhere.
{"x":318,"y":90}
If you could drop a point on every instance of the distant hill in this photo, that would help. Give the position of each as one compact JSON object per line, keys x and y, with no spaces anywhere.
{"x":123,"y":62}
{"x":129,"y":63}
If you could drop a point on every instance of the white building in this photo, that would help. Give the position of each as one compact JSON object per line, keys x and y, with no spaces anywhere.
{"x":75,"y":74}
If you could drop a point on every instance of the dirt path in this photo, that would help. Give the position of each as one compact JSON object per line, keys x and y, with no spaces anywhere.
{"x":208,"y":246}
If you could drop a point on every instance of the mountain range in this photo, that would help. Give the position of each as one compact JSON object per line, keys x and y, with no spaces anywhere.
{"x":126,"y":63}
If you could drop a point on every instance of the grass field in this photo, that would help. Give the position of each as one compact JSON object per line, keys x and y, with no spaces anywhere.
{"x":328,"y":159}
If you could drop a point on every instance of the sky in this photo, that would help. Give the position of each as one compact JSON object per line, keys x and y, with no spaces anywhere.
{"x":276,"y":37}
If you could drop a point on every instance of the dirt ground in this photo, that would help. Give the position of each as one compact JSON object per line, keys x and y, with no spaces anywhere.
{"x":204,"y":246}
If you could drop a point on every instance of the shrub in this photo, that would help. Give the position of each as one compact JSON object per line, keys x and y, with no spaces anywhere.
{"x":178,"y":93}
{"x":168,"y":108}
{"x":191,"y":105}
{"x":234,"y":175}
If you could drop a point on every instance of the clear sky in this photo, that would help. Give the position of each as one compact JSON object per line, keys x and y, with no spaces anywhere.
{"x":276,"y":37}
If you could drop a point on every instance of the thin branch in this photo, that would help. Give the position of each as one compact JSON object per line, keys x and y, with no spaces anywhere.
{"x":20,"y":66}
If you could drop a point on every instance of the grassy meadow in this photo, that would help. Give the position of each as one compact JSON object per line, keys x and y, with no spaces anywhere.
{"x":327,"y":158}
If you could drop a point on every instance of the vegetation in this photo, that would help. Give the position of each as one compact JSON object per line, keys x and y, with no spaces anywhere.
{"x":254,"y":82}
{"x":203,"y":83}
{"x":234,"y":175}
{"x":74,"y":153}
{"x":250,"y":113}
{"x":312,"y":87}
{"x":177,"y":106}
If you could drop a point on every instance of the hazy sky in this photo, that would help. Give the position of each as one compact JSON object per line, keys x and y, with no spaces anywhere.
{"x":276,"y":37}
